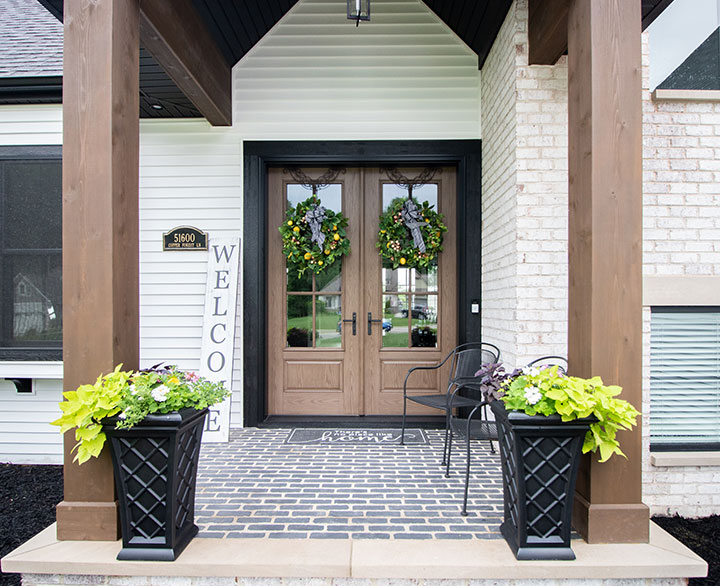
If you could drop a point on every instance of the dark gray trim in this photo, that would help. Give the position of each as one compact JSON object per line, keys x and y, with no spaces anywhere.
{"x":258,"y":156}
{"x":34,"y":90}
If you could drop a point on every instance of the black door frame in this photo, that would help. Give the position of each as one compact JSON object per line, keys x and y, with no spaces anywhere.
{"x":259,"y":155}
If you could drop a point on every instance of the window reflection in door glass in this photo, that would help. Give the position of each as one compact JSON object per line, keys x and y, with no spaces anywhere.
{"x":295,"y":283}
{"x":396,"y":279}
{"x":427,"y":192}
{"x":328,"y":324}
{"x":330,"y":279}
{"x":423,"y":331}
{"x":299,"y":321}
{"x":425,"y":279}
{"x":330,"y":197}
{"x":395,"y":321}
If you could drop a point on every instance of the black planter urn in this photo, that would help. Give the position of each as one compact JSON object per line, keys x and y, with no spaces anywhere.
{"x":540,"y":456}
{"x":155,"y":464}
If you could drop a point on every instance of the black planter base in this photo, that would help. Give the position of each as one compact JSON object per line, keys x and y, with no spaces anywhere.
{"x":158,"y":554}
{"x":530,"y":552}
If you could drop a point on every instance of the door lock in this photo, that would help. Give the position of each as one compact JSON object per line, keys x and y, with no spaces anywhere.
{"x":372,"y":321}
{"x":353,"y":321}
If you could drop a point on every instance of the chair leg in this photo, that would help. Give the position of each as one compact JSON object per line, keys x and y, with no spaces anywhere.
{"x":447,"y":431}
{"x":464,"y":512}
{"x":447,"y":464}
{"x":402,"y":432}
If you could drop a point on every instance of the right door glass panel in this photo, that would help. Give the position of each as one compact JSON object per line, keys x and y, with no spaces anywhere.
{"x":412,"y":319}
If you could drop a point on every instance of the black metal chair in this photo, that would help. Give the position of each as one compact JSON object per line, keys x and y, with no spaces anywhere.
{"x":547,"y":361}
{"x":477,"y":426}
{"x":465,"y":360}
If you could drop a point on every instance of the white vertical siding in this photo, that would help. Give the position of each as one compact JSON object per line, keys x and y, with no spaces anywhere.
{"x":190,"y":174}
{"x":315,"y":75}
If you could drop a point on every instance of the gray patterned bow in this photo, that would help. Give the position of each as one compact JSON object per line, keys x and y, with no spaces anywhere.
{"x":315,"y":216}
{"x":413,"y":219}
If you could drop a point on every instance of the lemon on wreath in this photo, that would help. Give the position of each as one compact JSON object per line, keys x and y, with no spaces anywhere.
{"x":296,"y":229}
{"x":320,"y":262}
{"x":307,"y":256}
{"x":290,"y":222}
{"x":402,"y":260}
{"x":336,"y":237}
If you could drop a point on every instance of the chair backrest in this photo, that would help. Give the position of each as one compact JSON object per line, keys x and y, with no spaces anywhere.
{"x":547,"y":361}
{"x":468,"y":358}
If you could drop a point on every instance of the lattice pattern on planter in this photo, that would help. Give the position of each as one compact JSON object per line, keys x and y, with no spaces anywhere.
{"x":546,"y":482}
{"x":188,"y":448}
{"x":145,"y":474}
{"x":509,"y":468}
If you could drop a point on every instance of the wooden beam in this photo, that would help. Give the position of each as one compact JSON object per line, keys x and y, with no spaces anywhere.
{"x":547,"y":30}
{"x":605,"y":247}
{"x":100,"y":231}
{"x":175,"y":35}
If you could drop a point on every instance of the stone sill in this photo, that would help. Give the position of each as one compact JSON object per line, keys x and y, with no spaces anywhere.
{"x":672,"y":459}
{"x":686,"y":95}
{"x":663,"y":557}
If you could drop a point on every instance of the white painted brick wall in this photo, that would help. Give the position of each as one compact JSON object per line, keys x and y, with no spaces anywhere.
{"x":524,"y":198}
{"x":681,"y":222}
{"x":525,"y":220}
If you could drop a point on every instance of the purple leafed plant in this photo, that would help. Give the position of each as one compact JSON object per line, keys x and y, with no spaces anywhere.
{"x":493,"y":379}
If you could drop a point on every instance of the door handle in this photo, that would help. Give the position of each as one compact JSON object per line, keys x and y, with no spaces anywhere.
{"x":372,"y":321}
{"x":353,"y":321}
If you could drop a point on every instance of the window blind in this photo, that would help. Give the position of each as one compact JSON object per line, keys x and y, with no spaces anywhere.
{"x":685,"y":378}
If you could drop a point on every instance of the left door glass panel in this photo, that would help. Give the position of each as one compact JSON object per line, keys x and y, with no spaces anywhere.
{"x":324,"y":331}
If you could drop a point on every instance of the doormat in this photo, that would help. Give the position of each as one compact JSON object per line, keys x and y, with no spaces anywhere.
{"x":355,"y":436}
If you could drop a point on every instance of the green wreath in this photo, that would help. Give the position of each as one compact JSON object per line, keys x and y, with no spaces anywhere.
{"x":302,"y":252}
{"x":395,"y":239}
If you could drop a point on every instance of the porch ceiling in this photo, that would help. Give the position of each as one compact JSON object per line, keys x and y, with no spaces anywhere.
{"x":237,"y":26}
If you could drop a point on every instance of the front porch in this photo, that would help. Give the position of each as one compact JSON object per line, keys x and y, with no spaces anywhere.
{"x":258,"y":486}
{"x":271,"y":512}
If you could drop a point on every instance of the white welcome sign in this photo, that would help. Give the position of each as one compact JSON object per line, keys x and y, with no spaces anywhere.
{"x":218,"y":341}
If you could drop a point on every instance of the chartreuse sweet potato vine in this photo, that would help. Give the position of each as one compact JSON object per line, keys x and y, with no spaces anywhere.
{"x":545,"y":391}
{"x":131,"y":396}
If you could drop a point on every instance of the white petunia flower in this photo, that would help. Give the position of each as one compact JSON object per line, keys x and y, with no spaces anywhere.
{"x":122,"y":415}
{"x":132,"y":389}
{"x":160,"y":393}
{"x":532,"y":395}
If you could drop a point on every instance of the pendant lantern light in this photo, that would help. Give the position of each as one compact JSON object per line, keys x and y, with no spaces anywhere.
{"x":358,"y":10}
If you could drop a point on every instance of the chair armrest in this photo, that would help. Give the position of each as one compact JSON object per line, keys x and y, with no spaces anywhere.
{"x":416,"y":368}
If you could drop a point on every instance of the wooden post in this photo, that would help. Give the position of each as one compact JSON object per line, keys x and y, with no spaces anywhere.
{"x":605,"y":247}
{"x":100,"y":231}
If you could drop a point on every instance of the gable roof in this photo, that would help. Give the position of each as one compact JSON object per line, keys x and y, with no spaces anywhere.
{"x":35,"y":43}
{"x":700,"y":71}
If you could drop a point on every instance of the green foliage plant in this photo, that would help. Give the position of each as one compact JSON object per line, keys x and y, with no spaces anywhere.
{"x":301,"y":252}
{"x":395,"y":241}
{"x":131,"y":395}
{"x":548,"y":391}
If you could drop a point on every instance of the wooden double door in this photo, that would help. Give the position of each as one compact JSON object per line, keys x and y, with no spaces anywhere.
{"x":320,"y":362}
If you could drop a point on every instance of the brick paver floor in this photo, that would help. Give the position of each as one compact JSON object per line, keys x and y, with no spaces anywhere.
{"x":258,"y":486}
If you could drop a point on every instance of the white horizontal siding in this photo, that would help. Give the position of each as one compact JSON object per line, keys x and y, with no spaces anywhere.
{"x":31,"y":125}
{"x":402,"y":75}
{"x":26,"y":436}
{"x":190,"y":174}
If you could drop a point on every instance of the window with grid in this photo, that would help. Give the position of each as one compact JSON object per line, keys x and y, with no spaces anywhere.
{"x":30,"y":253}
{"x":685,"y":378}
